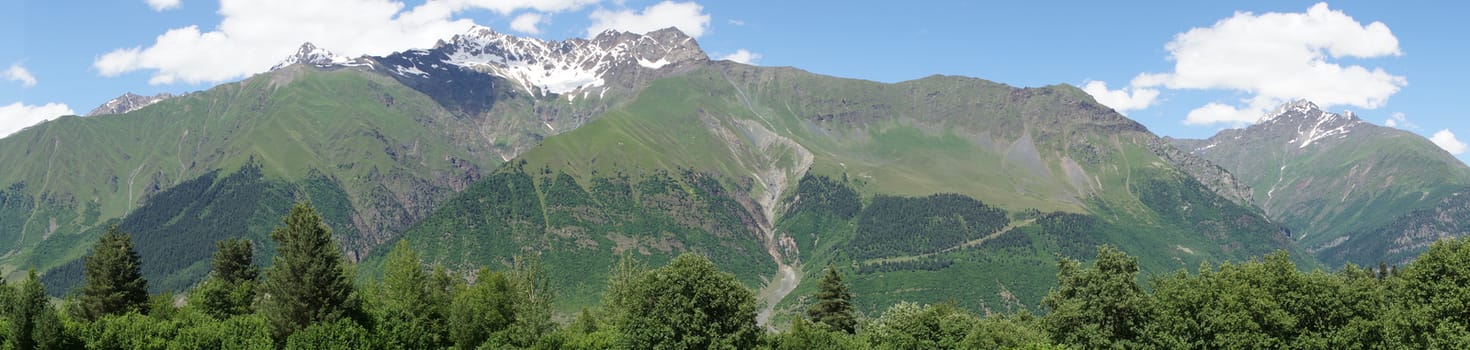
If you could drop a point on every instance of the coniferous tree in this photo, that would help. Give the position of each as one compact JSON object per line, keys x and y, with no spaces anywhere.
{"x":307,"y":282}
{"x":834,"y":303}
{"x":33,"y":323}
{"x":234,"y":261}
{"x":115,"y":283}
{"x":232,"y":287}
{"x":7,"y":297}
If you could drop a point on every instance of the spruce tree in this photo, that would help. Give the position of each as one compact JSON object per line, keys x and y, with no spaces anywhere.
{"x":33,"y":323}
{"x":115,"y":283}
{"x":834,"y":303}
{"x":233,"y":261}
{"x":306,"y":283}
{"x":232,"y":287}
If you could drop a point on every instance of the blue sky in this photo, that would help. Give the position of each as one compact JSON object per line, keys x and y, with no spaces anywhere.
{"x":1383,"y":60}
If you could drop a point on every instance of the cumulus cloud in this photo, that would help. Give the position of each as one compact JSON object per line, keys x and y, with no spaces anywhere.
{"x":256,"y":34}
{"x":1213,"y":113}
{"x":689,"y":17}
{"x":742,"y":56}
{"x":1278,"y":57}
{"x":526,"y":23}
{"x":1446,"y":140}
{"x":1123,"y":99}
{"x":162,"y":5}
{"x":19,"y":73}
{"x":1399,"y":120}
{"x":17,"y":116}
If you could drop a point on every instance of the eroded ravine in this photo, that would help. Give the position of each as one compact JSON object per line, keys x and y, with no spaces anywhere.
{"x":765,"y":148}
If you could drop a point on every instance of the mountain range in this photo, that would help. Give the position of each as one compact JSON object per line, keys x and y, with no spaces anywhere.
{"x":582,"y":152}
{"x":1349,"y":191}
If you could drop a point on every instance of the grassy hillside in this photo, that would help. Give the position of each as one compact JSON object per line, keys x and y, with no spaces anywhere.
{"x":1351,"y":198}
{"x":387,"y":150}
{"x":913,"y":184}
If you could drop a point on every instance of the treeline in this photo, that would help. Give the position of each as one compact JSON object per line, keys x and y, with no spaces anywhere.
{"x":306,"y":300}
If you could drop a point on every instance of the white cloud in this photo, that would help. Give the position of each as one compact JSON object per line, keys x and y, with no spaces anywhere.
{"x":19,"y":73}
{"x":256,"y":34}
{"x":1399,"y":120}
{"x":1446,"y":140}
{"x":1121,"y":100}
{"x":1278,"y":57}
{"x":742,"y":56}
{"x":505,"y":7}
{"x":1220,"y":113}
{"x":17,"y":116}
{"x":526,"y":23}
{"x":689,"y":17}
{"x":737,"y":23}
{"x":161,"y":5}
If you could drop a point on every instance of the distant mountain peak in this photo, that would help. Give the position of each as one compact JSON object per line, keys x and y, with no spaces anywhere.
{"x":562,"y":67}
{"x":1308,"y":122}
{"x":1300,"y":107}
{"x":128,"y":102}
{"x":309,"y":53}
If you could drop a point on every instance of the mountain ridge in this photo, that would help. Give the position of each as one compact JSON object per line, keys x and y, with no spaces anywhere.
{"x":128,"y":102}
{"x":392,"y":145}
{"x":1335,"y":179}
{"x":772,"y":171}
{"x":1065,"y":171}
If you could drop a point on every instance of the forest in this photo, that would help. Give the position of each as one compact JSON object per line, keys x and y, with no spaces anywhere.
{"x":310,"y":298}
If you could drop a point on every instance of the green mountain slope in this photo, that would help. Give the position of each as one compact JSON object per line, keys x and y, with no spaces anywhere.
{"x":1348,"y":190}
{"x":776,"y":173}
{"x":374,"y":139}
{"x":379,"y":140}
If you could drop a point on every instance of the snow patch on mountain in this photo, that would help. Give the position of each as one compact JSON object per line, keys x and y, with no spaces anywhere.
{"x":313,"y":55}
{"x":410,"y":70}
{"x":1312,"y":124}
{"x":128,"y":102}
{"x":562,"y":67}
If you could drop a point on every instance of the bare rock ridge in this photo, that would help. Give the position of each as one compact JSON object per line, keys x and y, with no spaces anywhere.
{"x":312,"y":55}
{"x":128,"y":102}
{"x":1212,"y":176}
{"x":565,"y":67}
{"x":538,"y":67}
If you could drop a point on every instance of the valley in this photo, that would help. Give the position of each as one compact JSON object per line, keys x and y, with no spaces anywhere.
{"x":489,"y":147}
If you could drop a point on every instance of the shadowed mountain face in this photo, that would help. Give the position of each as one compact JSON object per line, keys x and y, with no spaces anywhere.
{"x":1349,"y":191}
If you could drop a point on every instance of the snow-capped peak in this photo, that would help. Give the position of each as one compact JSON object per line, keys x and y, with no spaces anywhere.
{"x":563,"y":67}
{"x":1309,"y":122}
{"x":128,"y":102}
{"x":313,"y":55}
{"x":1301,"y":106}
